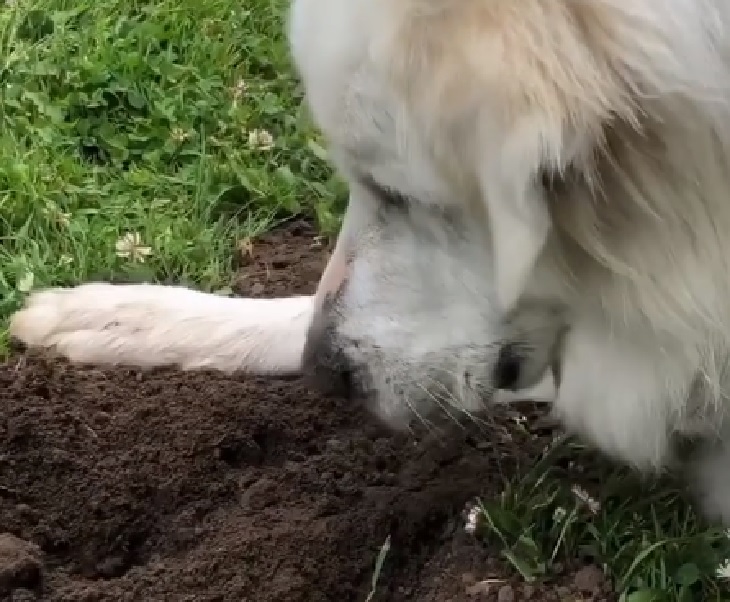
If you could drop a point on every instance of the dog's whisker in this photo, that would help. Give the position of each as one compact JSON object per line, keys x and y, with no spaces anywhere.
{"x":444,"y":406}
{"x":456,"y":403}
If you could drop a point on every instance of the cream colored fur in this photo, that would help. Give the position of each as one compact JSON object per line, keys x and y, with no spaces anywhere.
{"x":147,"y":325}
{"x":581,"y":149}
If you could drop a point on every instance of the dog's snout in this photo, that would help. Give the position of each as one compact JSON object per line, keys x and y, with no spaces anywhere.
{"x":335,"y":273}
{"x":508,"y":369}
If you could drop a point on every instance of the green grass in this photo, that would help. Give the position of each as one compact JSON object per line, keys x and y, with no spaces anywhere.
{"x":130,"y":117}
{"x":644,"y":533}
{"x":126,"y":116}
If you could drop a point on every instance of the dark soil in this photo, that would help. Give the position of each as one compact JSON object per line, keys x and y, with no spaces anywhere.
{"x":166,"y":486}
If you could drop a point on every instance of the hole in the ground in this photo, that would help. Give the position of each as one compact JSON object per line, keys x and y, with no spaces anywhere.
{"x":235,"y":451}
{"x":97,"y":564}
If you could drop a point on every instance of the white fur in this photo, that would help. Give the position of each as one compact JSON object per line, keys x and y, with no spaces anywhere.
{"x":147,"y":325}
{"x":635,"y":249}
{"x":568,"y":154}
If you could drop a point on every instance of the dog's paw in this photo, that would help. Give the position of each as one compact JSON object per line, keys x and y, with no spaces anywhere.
{"x":95,"y":323}
{"x":151,"y":325}
{"x":50,"y":315}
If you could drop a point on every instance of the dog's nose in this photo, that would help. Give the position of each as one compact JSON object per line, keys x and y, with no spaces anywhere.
{"x":329,"y":381}
{"x":508,"y":369}
{"x":324,"y":363}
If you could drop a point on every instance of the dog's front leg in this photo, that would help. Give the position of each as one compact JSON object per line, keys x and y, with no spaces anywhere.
{"x":151,"y":325}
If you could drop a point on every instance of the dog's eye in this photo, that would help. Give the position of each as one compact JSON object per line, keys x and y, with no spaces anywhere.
{"x":392,"y":198}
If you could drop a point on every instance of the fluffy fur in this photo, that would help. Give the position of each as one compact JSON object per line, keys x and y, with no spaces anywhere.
{"x":548,"y":174}
{"x":147,"y":325}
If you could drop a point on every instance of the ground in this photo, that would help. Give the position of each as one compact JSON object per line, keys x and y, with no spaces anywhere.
{"x":164,"y":141}
{"x":153,"y":486}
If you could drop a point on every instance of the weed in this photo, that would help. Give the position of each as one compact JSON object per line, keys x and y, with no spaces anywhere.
{"x":571,"y":504}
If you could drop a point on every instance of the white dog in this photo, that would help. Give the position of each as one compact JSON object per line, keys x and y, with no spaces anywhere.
{"x":534,"y":184}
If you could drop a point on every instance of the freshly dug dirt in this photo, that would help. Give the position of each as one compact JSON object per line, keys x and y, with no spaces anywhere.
{"x":124,"y":485}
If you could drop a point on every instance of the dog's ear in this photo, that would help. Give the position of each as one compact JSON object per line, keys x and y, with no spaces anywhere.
{"x":516,"y":204}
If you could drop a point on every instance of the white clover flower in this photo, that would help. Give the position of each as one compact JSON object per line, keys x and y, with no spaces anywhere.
{"x":130,"y":246}
{"x":240,"y":89}
{"x":473,"y":516}
{"x":53,"y":213}
{"x":723,"y":571}
{"x":593,"y":505}
{"x":559,"y":514}
{"x":260,"y":140}
{"x":179,"y":135}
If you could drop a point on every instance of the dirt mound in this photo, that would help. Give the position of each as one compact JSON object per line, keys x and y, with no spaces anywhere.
{"x":129,"y":485}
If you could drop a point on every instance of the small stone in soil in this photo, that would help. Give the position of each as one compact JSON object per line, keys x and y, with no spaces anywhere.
{"x":20,"y":564}
{"x":468,"y":579}
{"x":588,"y":579}
{"x":259,"y":495}
{"x":506,"y":594}
{"x":479,"y":588}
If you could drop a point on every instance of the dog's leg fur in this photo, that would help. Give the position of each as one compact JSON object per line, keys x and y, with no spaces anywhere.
{"x":624,"y":396}
{"x":149,"y":325}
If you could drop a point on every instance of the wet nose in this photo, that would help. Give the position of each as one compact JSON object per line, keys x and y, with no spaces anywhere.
{"x":508,"y":369}
{"x":324,"y":364}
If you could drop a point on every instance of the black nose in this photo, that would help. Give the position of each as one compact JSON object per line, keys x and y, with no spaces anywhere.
{"x":507,"y":371}
{"x":324,"y":364}
{"x":331,"y":382}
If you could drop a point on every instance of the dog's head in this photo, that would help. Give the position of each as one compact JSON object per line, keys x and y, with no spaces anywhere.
{"x":468,"y":132}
